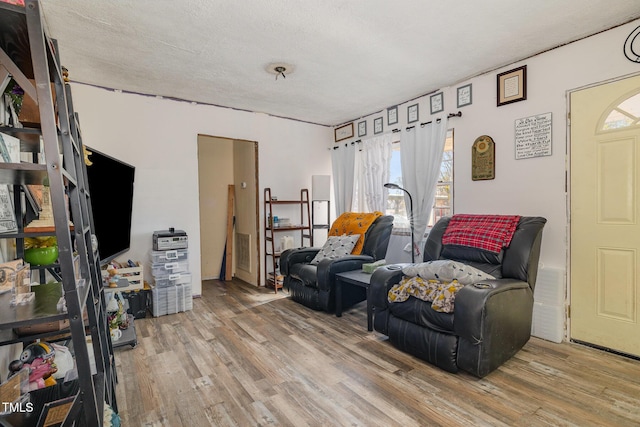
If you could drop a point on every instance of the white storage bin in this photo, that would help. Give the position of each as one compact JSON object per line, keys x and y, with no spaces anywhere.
{"x":162,"y":257}
{"x":172,"y":279}
{"x":164,"y":269}
{"x":172,"y":300}
{"x":164,"y":300}
{"x":185,"y":299}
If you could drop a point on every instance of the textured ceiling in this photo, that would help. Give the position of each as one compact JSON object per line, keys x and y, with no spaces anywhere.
{"x":351,"y":58}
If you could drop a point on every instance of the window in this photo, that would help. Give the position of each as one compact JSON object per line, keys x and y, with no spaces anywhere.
{"x":443,"y":204}
{"x":623,"y":115}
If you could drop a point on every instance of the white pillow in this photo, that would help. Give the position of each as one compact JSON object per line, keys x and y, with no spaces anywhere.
{"x":336,"y":247}
{"x":446,"y":270}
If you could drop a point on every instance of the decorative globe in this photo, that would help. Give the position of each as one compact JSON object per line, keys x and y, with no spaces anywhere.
{"x":41,"y":256}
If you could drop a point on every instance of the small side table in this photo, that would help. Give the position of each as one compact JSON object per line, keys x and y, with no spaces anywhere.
{"x":129,"y":336}
{"x":357,"y":278}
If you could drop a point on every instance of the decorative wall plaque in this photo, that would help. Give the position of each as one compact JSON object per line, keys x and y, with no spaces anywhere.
{"x":483,"y":163}
{"x":533,"y":136}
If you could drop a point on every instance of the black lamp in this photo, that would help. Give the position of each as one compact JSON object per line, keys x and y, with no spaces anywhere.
{"x":397,"y":187}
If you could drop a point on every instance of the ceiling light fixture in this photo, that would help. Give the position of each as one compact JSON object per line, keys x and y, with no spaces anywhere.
{"x":279,"y":69}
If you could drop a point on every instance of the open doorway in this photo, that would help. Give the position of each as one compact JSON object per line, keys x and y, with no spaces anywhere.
{"x":223,"y":162}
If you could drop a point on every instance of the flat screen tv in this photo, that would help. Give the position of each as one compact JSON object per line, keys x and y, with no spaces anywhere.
{"x":111,"y":189}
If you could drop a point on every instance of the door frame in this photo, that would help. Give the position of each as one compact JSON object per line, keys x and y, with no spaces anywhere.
{"x":255,"y":260}
{"x":567,"y":302}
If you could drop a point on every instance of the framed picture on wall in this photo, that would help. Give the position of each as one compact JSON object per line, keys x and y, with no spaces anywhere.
{"x":377,"y":125}
{"x":343,"y":132}
{"x":362,"y":128}
{"x":392,"y":115}
{"x":512,"y":86}
{"x":412,"y":113}
{"x":437,"y":103}
{"x":464,"y":95}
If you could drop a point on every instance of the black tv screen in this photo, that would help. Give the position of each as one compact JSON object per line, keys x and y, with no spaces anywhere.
{"x":111,"y":189}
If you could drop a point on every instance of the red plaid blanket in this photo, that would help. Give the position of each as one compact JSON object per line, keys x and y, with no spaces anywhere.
{"x":489,"y":232}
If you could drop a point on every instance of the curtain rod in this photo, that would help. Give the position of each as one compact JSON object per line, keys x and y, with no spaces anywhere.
{"x":358,"y":141}
{"x":450,"y":115}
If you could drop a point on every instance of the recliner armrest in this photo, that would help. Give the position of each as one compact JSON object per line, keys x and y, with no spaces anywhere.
{"x":295,"y":256}
{"x":382,"y":280}
{"x":471,"y":304}
{"x":493,"y":321}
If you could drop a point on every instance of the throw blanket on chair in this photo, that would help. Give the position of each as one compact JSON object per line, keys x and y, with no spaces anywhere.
{"x":441,"y":295}
{"x":488,"y":232}
{"x":354,"y":223}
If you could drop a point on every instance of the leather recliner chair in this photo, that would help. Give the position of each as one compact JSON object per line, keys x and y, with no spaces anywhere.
{"x":491,"y":320}
{"x":314,"y":286}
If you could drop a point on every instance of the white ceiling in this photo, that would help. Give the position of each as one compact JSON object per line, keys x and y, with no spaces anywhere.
{"x":351,"y":58}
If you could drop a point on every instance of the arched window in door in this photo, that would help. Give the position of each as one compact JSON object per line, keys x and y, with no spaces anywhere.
{"x":623,"y":113}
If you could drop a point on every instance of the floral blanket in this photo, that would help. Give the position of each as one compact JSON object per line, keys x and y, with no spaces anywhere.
{"x":442,"y":295}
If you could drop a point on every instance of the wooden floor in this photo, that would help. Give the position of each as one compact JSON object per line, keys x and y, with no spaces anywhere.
{"x":247,"y":357}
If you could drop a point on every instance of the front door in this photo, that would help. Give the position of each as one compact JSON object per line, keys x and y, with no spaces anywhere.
{"x":605,"y":216}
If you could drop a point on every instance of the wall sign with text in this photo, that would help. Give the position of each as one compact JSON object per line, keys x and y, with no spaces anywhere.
{"x":483,"y":158}
{"x":533,"y":136}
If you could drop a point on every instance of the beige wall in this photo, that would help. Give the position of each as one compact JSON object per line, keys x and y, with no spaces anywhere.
{"x":215,"y":173}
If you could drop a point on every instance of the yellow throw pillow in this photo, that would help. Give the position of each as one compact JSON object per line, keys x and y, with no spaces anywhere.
{"x":354,"y":223}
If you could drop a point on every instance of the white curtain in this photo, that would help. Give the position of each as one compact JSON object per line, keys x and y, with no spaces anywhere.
{"x":374,"y":159}
{"x":421,"y":151}
{"x":343,"y":162}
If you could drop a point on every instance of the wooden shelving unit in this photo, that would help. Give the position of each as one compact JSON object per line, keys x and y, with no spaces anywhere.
{"x":31,"y":58}
{"x":271,"y":250}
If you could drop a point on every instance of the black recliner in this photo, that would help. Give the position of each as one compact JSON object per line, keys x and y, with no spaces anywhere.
{"x":314,"y":285}
{"x":491,"y":320}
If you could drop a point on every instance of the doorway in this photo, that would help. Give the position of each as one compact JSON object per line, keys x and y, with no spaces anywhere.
{"x":223,"y":162}
{"x":604,"y":212}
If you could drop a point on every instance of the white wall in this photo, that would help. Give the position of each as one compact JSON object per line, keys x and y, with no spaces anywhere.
{"x":159,"y":137}
{"x":530,"y":186}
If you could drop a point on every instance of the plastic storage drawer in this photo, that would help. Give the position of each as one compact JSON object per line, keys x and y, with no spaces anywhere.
{"x":172,"y":279}
{"x":161,"y":257}
{"x":164,"y":269}
{"x":185,"y":300}
{"x":164,"y":300}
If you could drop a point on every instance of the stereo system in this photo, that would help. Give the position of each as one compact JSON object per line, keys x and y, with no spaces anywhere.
{"x":166,"y":240}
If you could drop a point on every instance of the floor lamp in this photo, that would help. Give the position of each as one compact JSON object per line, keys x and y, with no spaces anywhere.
{"x":397,"y":187}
